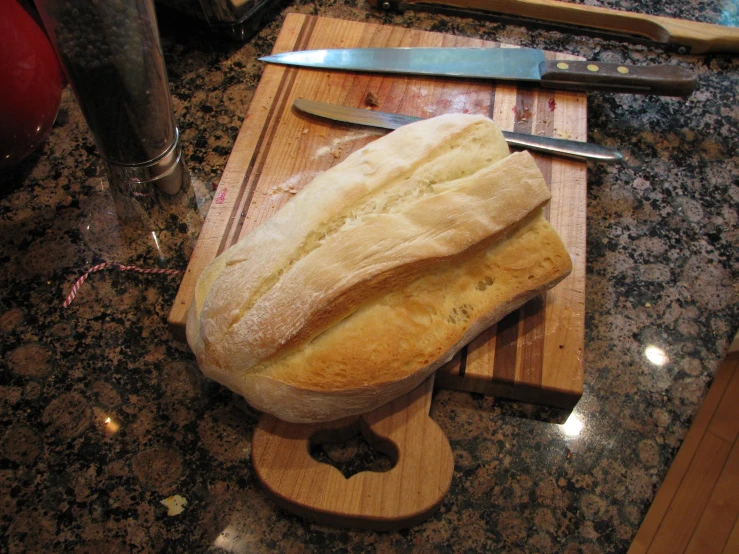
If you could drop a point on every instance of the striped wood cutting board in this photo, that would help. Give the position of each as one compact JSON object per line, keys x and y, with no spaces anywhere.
{"x":534,"y":354}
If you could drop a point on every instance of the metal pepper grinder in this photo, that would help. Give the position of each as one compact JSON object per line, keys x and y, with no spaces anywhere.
{"x":111,"y":54}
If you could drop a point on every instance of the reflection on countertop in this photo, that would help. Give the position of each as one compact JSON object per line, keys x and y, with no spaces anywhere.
{"x":112,"y":441}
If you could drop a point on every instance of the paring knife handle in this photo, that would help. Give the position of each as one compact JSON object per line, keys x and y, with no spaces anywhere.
{"x":664,"y":80}
{"x":576,"y":150}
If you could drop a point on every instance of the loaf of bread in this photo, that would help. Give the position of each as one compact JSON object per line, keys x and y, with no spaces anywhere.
{"x":377,"y":272}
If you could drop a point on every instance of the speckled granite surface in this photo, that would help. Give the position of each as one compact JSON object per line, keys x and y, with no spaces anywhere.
{"x":103,"y":415}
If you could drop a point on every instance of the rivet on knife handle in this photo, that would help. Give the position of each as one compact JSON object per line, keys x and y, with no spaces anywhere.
{"x":666,"y":80}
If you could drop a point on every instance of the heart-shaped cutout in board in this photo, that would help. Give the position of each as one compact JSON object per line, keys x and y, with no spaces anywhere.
{"x":353,"y":449}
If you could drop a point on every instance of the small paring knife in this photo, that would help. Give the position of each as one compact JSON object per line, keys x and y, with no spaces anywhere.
{"x":559,"y":147}
{"x":513,"y":64}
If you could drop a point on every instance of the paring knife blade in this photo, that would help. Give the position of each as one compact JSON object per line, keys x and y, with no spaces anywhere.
{"x":560,"y":147}
{"x":517,"y":64}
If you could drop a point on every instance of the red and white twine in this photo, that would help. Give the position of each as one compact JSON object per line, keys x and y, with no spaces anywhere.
{"x":122,"y":267}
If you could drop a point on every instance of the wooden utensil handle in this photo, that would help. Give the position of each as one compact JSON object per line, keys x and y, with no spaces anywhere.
{"x":668,"y":80}
{"x":695,"y":37}
{"x":402,"y":497}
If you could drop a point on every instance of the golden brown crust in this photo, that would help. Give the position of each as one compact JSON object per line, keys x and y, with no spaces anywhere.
{"x":360,"y":287}
{"x":414,"y":329}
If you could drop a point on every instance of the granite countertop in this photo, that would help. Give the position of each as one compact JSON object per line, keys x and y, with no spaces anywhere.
{"x":104,"y":415}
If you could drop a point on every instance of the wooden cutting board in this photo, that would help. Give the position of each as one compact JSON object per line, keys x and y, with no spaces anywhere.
{"x":534,"y":354}
{"x":401,"y":497}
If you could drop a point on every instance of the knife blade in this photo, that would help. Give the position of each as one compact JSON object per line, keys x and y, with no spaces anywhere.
{"x":518,"y":64}
{"x":560,"y":147}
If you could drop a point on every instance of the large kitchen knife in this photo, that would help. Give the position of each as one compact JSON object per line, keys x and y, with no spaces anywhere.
{"x":685,"y":36}
{"x":518,"y":64}
{"x":560,"y":147}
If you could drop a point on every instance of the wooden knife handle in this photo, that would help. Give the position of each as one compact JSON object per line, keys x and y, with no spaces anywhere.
{"x":695,"y":37}
{"x":664,"y":80}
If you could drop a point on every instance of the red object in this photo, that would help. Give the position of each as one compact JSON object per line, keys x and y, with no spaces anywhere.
{"x":105,"y":265}
{"x":32,"y":84}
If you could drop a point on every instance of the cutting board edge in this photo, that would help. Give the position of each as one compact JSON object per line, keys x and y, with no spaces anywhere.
{"x":552,"y":397}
